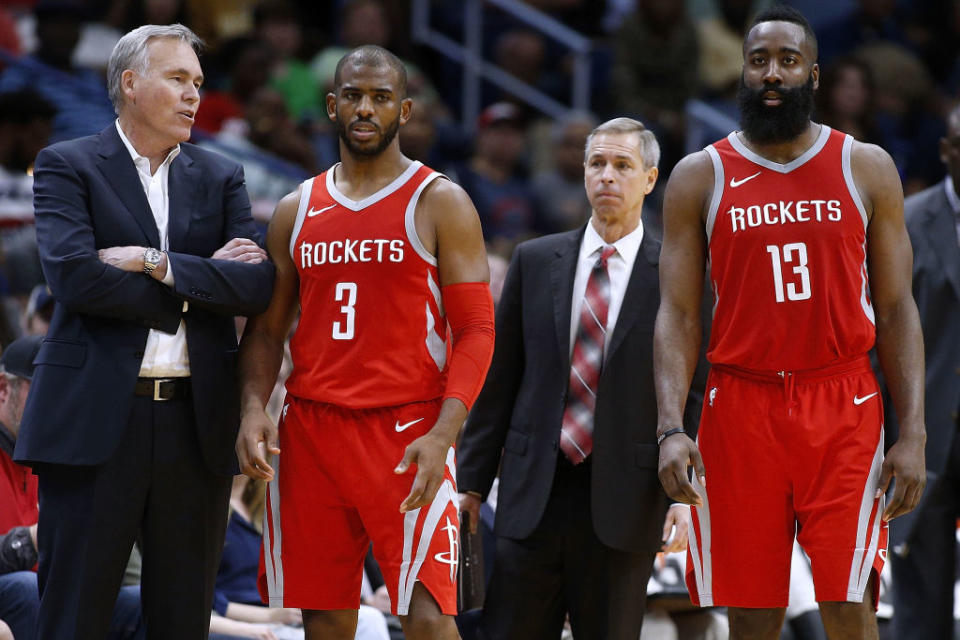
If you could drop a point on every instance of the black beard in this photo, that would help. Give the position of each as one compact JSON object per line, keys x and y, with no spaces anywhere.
{"x":771,"y":125}
{"x":385,"y":139}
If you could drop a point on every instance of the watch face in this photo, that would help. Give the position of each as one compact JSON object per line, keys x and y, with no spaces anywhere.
{"x":152,"y":256}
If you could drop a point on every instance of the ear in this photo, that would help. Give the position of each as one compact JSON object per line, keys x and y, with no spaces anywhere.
{"x":128,"y":85}
{"x":406,"y":110}
{"x":331,"y":100}
{"x":651,"y":180}
{"x":944,"y":151}
{"x":815,"y":74}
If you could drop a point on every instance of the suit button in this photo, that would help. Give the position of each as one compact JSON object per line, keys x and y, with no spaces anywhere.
{"x":556,"y":444}
{"x":138,"y":355}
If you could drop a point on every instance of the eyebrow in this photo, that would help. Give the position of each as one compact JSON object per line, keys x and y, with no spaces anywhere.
{"x":183,"y":72}
{"x":792,"y":50}
{"x":350,"y":87}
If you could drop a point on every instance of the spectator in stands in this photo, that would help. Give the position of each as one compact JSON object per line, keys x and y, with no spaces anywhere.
{"x":237,"y":603}
{"x":654,"y":85}
{"x":494,"y":177}
{"x":19,"y":596}
{"x":274,"y":154}
{"x":721,"y":26}
{"x":39,"y":311}
{"x":247,"y":62}
{"x":870,"y":22}
{"x":845,"y":100}
{"x":559,"y":190}
{"x":364,"y":22}
{"x":277,"y":23}
{"x":923,"y":543}
{"x":79,"y":95}
{"x":25,"y":126}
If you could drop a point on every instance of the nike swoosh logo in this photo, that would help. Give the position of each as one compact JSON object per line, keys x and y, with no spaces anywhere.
{"x":406,"y":425}
{"x":734,"y":183}
{"x":857,"y":400}
{"x":315,"y":212}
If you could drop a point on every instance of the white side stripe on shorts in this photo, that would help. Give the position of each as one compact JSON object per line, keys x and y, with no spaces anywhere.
{"x":700,"y":547}
{"x":409,"y":570}
{"x":272,"y":560}
{"x":866,"y":549}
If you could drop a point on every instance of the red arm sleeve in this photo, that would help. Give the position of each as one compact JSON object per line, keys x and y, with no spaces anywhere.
{"x":469,"y":307}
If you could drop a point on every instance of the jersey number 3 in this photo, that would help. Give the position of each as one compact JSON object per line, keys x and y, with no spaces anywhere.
{"x":346,"y":292}
{"x":794,"y":254}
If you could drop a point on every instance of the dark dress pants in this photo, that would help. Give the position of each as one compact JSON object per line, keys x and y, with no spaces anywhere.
{"x":923,"y":579}
{"x":155,"y":487}
{"x":563,"y":567}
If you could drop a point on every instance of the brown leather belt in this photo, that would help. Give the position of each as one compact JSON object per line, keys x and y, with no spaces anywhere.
{"x":161,"y":389}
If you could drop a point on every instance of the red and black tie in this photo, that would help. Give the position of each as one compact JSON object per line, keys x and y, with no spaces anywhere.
{"x":576,"y":437}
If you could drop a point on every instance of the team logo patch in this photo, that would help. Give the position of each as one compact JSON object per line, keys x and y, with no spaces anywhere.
{"x":451,"y":557}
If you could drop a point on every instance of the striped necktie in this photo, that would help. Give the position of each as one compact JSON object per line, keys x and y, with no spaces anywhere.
{"x":576,"y":437}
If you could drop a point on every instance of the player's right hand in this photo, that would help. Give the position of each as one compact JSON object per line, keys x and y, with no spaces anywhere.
{"x":676,"y":454}
{"x":256,"y":440}
{"x":471,"y":504}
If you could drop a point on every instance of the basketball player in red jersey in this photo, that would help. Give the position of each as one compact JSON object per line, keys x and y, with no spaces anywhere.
{"x":381,"y":254}
{"x":809,"y":260}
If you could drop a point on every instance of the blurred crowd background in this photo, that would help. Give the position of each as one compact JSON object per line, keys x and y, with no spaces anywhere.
{"x":890,"y":70}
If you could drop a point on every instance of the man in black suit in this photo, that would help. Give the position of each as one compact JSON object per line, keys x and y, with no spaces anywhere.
{"x":924,"y":541}
{"x":148,"y":247}
{"x":568,"y":414}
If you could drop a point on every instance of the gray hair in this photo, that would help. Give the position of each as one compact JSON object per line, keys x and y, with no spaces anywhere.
{"x":649,"y":147}
{"x":130,"y":52}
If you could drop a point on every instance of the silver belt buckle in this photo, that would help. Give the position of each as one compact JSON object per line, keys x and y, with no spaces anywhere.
{"x":156,"y":390}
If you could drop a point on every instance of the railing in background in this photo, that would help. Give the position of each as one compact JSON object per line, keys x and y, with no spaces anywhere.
{"x":476,"y":69}
{"x":706,"y":124}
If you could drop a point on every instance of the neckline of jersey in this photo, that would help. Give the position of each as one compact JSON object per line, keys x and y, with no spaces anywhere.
{"x":797,"y":162}
{"x":357,"y":205}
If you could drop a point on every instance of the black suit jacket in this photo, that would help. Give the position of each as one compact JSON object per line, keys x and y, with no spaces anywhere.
{"x":936,"y":288}
{"x":520,"y":408}
{"x":88,"y":196}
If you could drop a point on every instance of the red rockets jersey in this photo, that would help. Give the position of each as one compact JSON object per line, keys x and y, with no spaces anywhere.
{"x":372,"y":330}
{"x":787,"y":254}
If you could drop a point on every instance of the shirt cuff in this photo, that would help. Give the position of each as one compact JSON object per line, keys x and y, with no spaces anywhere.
{"x":168,"y":278}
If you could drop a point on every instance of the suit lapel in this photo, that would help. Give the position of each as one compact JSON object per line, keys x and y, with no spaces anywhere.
{"x":941,"y":232}
{"x":183,"y":181}
{"x":118,"y":169}
{"x":562,"y":271}
{"x":644,"y":277}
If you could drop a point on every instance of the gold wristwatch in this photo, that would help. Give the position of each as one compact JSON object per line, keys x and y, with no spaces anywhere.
{"x":151,"y":259}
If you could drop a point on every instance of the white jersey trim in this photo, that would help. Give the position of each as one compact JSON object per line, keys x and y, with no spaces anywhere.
{"x":801,"y":160}
{"x":409,"y":221}
{"x":718,"y":177}
{"x":848,"y":178}
{"x":305,"y":191}
{"x":357,"y":205}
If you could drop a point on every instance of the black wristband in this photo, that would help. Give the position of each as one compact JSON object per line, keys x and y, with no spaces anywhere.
{"x":669,"y":432}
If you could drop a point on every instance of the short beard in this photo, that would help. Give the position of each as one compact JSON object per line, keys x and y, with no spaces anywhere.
{"x":385,"y":139}
{"x":771,"y":125}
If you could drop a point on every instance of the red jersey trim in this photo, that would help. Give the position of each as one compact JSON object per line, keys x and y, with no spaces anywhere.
{"x":799,"y":161}
{"x":357,"y":205}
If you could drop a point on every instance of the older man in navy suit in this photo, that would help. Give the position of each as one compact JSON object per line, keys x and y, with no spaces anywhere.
{"x":149,"y":249}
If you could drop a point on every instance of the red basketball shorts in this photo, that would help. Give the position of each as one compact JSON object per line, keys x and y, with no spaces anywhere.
{"x":792,"y":455}
{"x":335,"y":492}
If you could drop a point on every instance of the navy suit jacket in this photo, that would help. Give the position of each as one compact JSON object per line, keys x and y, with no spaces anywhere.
{"x":515,"y":423}
{"x":88,"y":196}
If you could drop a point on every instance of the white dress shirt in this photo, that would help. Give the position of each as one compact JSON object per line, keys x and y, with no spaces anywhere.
{"x":165,"y":355}
{"x":619,"y":268}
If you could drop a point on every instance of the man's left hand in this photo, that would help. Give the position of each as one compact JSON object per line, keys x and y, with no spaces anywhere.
{"x":905,"y":462}
{"x":676,"y":523}
{"x":429,"y":453}
{"x":125,"y":258}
